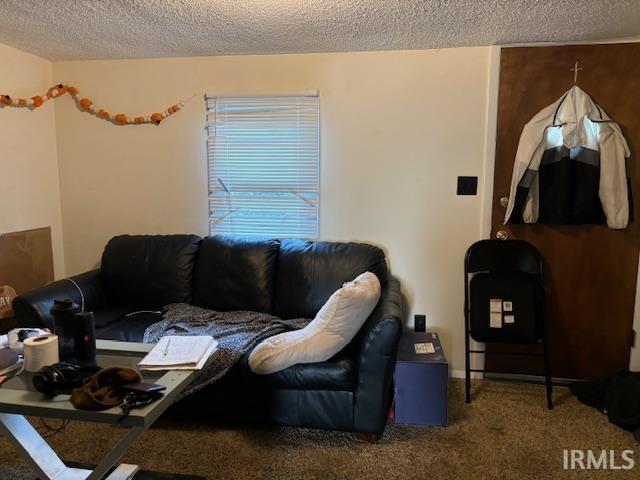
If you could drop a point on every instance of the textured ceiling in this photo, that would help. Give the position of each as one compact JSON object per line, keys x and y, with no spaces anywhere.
{"x":100,"y":29}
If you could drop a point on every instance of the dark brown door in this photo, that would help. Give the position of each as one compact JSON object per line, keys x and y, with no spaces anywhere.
{"x":590,"y":270}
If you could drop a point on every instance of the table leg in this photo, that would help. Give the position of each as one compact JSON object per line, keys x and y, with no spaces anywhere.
{"x":114,"y":455}
{"x":41,"y":458}
{"x":46,"y":463}
{"x":123,"y":472}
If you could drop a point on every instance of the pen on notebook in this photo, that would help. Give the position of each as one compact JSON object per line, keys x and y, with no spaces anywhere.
{"x":166,"y":349}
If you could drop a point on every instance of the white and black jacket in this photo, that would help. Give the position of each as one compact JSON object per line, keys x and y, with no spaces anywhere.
{"x":570,"y":167}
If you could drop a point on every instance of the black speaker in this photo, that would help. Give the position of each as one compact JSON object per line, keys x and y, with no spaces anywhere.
{"x":420,"y":323}
{"x":85,"y":338}
{"x":76,"y":333}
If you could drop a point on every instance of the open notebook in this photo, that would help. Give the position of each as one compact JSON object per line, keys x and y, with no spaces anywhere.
{"x":174,"y":352}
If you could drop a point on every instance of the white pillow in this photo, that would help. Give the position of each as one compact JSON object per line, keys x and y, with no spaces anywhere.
{"x":334,"y":327}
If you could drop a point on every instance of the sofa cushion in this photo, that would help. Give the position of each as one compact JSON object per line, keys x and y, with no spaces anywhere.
{"x":129,"y":328}
{"x":309,"y":273}
{"x":149,"y":271}
{"x":235,"y":273}
{"x":106,"y":316}
{"x":329,"y":332}
{"x":338,"y":373}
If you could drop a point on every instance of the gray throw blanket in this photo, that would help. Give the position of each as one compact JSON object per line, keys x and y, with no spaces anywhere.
{"x":236,"y":332}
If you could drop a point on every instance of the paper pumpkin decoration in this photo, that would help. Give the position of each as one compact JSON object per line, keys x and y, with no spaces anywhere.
{"x":89,"y":106}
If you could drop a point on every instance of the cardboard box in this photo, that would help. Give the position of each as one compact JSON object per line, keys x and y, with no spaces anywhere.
{"x":421,"y":380}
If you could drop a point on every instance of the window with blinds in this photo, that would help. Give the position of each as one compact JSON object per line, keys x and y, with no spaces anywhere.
{"x":263,"y":155}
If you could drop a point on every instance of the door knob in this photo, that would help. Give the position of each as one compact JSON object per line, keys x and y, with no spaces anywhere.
{"x":504,"y":201}
{"x":502,"y":235}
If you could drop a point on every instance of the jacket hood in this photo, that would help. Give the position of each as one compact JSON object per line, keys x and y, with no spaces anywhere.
{"x":573,"y":112}
{"x":576,"y":104}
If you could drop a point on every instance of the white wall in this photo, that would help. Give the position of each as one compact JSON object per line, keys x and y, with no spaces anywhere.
{"x":397,"y":128}
{"x":29,"y":188}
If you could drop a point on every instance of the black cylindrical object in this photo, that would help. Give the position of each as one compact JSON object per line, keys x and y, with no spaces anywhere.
{"x":85,"y":338}
{"x":75,"y":331}
{"x":64,"y":307}
{"x":63,"y":311}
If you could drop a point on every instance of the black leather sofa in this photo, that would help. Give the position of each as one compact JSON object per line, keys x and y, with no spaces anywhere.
{"x":289,"y":278}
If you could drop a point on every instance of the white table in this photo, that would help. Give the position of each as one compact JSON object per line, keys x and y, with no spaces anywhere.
{"x":17,"y":399}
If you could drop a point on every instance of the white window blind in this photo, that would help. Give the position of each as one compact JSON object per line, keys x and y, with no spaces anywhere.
{"x":263,"y":155}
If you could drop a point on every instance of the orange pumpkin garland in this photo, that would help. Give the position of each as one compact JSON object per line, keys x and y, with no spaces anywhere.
{"x":88,"y":105}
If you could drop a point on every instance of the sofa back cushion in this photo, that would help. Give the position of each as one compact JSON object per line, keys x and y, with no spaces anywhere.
{"x":149,"y":271}
{"x":236,"y":273}
{"x":310,"y":272}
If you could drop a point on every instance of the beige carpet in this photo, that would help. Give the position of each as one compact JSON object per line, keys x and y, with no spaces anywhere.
{"x":506,"y":433}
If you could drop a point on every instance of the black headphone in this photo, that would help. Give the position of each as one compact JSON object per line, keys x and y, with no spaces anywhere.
{"x":61,"y":378}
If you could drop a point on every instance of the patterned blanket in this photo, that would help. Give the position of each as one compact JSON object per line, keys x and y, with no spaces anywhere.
{"x":236,"y":332}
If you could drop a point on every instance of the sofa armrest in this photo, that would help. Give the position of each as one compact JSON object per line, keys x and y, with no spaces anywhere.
{"x":378,"y":345}
{"x":32,"y":309}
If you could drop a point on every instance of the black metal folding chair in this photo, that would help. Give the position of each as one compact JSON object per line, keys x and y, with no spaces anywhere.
{"x":504,"y":302}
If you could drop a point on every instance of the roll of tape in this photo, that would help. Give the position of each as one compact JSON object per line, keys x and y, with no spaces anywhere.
{"x":40,"y":352}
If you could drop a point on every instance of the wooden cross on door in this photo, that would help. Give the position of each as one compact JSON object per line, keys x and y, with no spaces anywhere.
{"x":575,"y":71}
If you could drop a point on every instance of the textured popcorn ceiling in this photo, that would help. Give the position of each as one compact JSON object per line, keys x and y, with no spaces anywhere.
{"x":99,"y":29}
